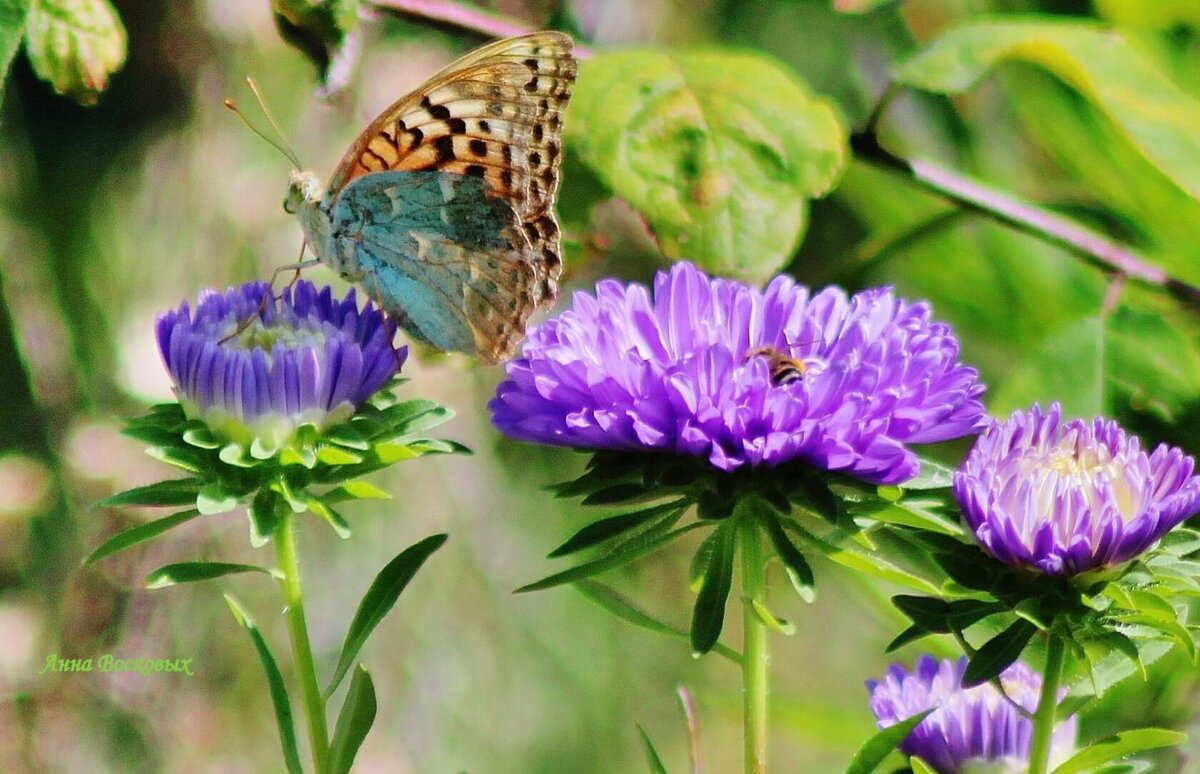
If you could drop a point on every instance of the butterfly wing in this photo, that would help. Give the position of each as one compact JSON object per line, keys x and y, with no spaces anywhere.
{"x":442,"y":256}
{"x":495,"y":114}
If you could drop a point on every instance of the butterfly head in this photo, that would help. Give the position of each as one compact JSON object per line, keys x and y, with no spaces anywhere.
{"x":302,"y":187}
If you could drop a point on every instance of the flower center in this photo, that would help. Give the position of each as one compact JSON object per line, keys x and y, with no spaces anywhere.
{"x":292,"y":335}
{"x":1074,"y":469}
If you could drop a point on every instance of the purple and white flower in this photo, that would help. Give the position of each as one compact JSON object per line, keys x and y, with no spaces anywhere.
{"x":680,"y":372}
{"x":308,"y":359}
{"x":971,"y":729}
{"x":1064,"y":498}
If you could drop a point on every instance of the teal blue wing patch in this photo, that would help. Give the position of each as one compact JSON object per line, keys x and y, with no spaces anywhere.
{"x":441,"y":254}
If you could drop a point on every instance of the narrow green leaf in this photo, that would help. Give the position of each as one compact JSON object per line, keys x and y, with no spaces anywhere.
{"x":708,"y":614}
{"x":933,"y":475}
{"x":355,"y":490}
{"x":653,"y":761}
{"x":700,"y":560}
{"x":263,"y":513}
{"x":1174,"y":629}
{"x":621,"y":493}
{"x":332,"y":517}
{"x":173,"y":492}
{"x":798,"y":569}
{"x":881,"y":745}
{"x":191,"y":572}
{"x":1157,"y":116}
{"x":622,"y":555}
{"x":921,"y":767}
{"x":347,"y":435}
{"x":909,"y":635}
{"x":332,"y":454}
{"x":1111,"y":671}
{"x":279,"y":696}
{"x":213,"y":499}
{"x":379,"y":599}
{"x":200,"y":436}
{"x":865,"y":562}
{"x":12,"y":25}
{"x":354,"y":721}
{"x":998,"y":653}
{"x":616,"y":603}
{"x":769,"y":619}
{"x":138,"y":534}
{"x":1124,"y":743}
{"x":75,"y":45}
{"x":720,"y":151}
{"x":607,"y":528}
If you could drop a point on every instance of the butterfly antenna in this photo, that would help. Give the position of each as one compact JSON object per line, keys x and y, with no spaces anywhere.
{"x":262,"y":104}
{"x":289,"y":154}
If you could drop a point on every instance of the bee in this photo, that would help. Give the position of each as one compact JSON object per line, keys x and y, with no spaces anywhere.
{"x":785,"y":369}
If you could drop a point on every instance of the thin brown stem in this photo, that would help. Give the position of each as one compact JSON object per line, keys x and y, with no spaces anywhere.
{"x":445,"y":13}
{"x":974,"y":196}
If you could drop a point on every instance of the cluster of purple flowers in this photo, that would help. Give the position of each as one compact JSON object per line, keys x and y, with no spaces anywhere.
{"x":740,"y":378}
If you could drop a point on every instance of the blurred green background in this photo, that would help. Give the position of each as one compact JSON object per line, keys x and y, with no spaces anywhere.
{"x":112,"y":213}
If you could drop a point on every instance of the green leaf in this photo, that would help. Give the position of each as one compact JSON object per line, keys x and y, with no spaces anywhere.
{"x":355,"y":490}
{"x":138,"y":534}
{"x":620,"y":606}
{"x":653,"y":761}
{"x":379,"y":599}
{"x":279,"y":696}
{"x":933,"y":475}
{"x":1124,"y":743}
{"x":332,"y":454}
{"x":998,"y":653}
{"x":719,"y":151}
{"x":213,"y":499}
{"x":880,"y":746}
{"x":75,"y":45}
{"x":179,"y":491}
{"x":191,"y":572}
{"x":263,"y":513}
{"x":632,"y":549}
{"x":868,"y":563}
{"x":354,"y":721}
{"x":798,"y":570}
{"x":1112,"y":670}
{"x":607,"y":528}
{"x":1152,"y":361}
{"x":12,"y":25}
{"x":1158,"y":117}
{"x":332,"y":517}
{"x":708,"y":615}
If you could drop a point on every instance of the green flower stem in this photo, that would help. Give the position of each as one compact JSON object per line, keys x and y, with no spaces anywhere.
{"x":293,"y":596}
{"x":1043,"y":719}
{"x":756,"y":657}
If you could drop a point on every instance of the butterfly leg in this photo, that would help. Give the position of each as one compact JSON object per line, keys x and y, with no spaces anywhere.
{"x":270,"y":296}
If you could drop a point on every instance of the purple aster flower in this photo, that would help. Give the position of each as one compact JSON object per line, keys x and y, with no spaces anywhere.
{"x":973,"y":729}
{"x":1068,"y":498}
{"x":844,"y":384}
{"x":307,"y":360}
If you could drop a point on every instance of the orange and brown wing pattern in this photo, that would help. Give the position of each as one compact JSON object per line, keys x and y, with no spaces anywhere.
{"x":495,"y":114}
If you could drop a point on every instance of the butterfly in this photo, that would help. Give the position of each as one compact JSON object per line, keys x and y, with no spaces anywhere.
{"x":443,"y":208}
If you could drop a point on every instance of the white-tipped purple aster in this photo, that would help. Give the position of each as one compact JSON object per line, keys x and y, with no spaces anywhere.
{"x":1066,"y":498}
{"x":679,"y":372}
{"x":972,"y":729}
{"x":308,"y":359}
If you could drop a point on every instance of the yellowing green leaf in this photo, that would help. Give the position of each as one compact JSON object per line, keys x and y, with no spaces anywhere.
{"x":12,"y":24}
{"x":1158,"y":117}
{"x":75,"y":45}
{"x":720,"y":152}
